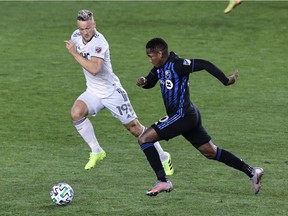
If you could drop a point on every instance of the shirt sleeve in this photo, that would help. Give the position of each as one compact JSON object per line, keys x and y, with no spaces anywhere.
{"x":200,"y":64}
{"x":151,"y":78}
{"x":99,"y":48}
{"x":75,"y":35}
{"x":183,"y":66}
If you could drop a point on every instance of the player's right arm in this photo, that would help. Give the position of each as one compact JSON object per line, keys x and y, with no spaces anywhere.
{"x":141,"y":82}
{"x":93,"y":65}
{"x":148,"y":81}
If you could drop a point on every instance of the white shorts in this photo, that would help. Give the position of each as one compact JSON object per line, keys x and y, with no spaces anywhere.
{"x":118,"y":104}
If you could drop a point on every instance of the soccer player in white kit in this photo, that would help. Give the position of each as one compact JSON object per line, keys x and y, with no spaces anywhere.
{"x":104,"y":90}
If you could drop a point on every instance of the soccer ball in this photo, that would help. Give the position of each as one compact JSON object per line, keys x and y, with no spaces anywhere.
{"x":62,"y":194}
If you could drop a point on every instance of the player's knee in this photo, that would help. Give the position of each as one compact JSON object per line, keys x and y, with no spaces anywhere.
{"x":141,"y":140}
{"x":76,"y":114}
{"x":209,"y":150}
{"x":79,"y":110}
{"x":73,"y":115}
{"x":209,"y":154}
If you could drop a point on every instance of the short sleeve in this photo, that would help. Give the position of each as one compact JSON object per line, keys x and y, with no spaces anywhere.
{"x":99,"y":48}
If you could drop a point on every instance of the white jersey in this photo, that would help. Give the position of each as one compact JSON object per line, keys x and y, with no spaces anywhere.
{"x":105,"y":82}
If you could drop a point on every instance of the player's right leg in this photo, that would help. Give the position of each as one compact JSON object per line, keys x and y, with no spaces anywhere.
{"x":147,"y":146}
{"x":81,"y":108}
{"x":136,"y":128}
{"x":166,"y":128}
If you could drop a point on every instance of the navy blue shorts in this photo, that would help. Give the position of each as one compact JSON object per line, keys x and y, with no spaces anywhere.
{"x":189,"y":125}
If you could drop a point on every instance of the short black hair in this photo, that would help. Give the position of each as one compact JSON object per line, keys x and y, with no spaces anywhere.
{"x":157,"y":44}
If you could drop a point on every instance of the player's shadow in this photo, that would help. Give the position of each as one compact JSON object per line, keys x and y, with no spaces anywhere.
{"x":52,"y":206}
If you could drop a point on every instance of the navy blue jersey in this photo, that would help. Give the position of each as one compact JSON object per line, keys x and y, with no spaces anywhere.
{"x":173,"y":77}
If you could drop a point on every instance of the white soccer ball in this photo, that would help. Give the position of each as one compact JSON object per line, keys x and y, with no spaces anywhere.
{"x":62,"y":194}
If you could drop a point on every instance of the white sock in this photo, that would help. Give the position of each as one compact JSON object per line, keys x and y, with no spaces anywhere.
{"x":86,"y":130}
{"x":161,"y":152}
{"x":159,"y":149}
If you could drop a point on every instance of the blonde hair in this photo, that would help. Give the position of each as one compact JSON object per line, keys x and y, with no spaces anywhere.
{"x":85,"y":15}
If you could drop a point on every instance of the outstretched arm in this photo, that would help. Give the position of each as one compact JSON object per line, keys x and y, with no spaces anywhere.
{"x":200,"y":64}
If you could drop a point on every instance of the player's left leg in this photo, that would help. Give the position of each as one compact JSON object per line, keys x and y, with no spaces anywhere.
{"x":211,"y":151}
{"x":201,"y":140}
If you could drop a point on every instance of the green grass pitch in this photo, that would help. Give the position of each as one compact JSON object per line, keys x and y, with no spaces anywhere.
{"x":39,"y":81}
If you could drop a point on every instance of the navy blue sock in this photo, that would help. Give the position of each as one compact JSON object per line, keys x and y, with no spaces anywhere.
{"x":154,"y":160}
{"x":231,"y":160}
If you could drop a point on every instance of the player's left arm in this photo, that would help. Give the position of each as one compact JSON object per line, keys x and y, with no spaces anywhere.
{"x":93,"y":65}
{"x":200,"y":64}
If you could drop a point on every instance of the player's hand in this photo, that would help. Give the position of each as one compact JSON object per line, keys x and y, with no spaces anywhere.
{"x":233,"y":77}
{"x":142,"y":81}
{"x":70,"y":46}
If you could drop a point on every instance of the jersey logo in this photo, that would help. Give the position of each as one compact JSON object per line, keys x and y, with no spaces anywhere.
{"x":98,"y":49}
{"x":167,"y":74}
{"x":165,"y":118}
{"x":169,"y":84}
{"x":186,"y":62}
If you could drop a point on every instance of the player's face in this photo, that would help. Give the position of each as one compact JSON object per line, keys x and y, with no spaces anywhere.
{"x":87,"y":29}
{"x":155,"y":58}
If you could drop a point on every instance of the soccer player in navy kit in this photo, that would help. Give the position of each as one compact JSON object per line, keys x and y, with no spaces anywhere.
{"x":183,"y":117}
